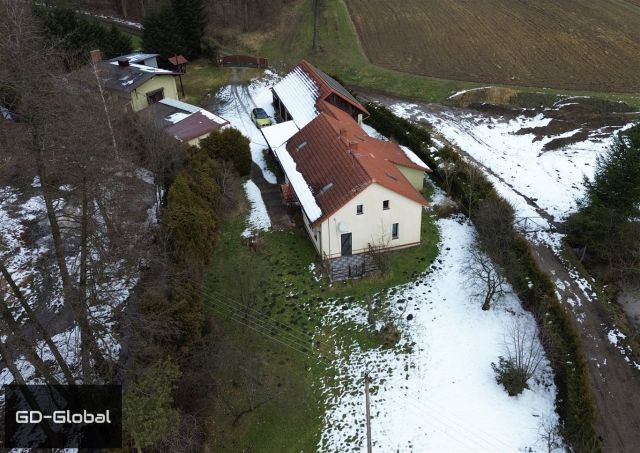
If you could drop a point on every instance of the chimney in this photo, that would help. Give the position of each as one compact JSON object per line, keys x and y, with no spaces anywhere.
{"x":360,"y":119}
{"x":123,"y":63}
{"x":96,"y":56}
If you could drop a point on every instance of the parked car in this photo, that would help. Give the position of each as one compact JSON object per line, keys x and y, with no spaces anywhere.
{"x":260,"y":117}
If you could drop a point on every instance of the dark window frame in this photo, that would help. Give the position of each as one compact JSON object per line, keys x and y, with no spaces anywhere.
{"x":152,"y":96}
{"x":359,"y":209}
{"x":386,"y":205}
{"x":395,"y":231}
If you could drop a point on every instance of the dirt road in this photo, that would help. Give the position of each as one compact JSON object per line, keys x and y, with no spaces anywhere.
{"x":615,"y":382}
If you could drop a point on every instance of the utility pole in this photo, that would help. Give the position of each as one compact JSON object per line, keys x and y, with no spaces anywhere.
{"x":366,"y":394}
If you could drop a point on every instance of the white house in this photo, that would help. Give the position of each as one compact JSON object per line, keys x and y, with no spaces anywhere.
{"x":354,"y":190}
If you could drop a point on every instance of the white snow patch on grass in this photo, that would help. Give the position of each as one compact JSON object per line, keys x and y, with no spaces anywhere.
{"x":258,"y":217}
{"x":436,"y":391}
{"x":237,"y":110}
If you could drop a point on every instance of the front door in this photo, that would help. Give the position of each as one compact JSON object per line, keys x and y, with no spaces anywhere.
{"x":345,"y":240}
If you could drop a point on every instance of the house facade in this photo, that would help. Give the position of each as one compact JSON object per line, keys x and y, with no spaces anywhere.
{"x":136,"y":85}
{"x":354,"y":191}
{"x":376,"y":217}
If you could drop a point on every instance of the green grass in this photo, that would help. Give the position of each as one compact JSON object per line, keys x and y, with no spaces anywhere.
{"x":204,"y":77}
{"x":341,"y":54}
{"x":290,"y":380}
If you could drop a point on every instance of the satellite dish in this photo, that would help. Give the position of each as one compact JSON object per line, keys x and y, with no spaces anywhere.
{"x":343,"y":227}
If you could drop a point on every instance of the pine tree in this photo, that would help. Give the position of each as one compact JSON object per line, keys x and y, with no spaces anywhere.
{"x":160,"y":32}
{"x":176,"y":28}
{"x":191,"y":22}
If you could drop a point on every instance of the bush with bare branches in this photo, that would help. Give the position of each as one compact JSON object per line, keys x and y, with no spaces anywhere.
{"x":524,"y":354}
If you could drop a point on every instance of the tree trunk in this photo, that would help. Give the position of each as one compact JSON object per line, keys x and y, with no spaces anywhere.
{"x":69,"y":292}
{"x":42,"y":332}
{"x":10,"y":328}
{"x":82,"y":284}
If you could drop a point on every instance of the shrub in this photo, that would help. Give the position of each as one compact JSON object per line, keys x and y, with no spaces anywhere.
{"x":511,"y":377}
{"x":231,"y":146}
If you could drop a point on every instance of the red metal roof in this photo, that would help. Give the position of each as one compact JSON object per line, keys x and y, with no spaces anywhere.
{"x":193,"y":126}
{"x":177,"y":60}
{"x":339,"y":160}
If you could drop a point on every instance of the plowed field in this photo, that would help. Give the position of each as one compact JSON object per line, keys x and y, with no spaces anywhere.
{"x":579,"y":44}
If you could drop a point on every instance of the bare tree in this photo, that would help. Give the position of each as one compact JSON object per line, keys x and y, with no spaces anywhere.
{"x":448,"y":170}
{"x":549,"y":434}
{"x":378,"y":251}
{"x":484,"y":277}
{"x":523,"y":355}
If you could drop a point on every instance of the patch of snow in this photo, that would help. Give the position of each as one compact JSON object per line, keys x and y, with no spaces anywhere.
{"x":177,"y":117}
{"x":180,"y":105}
{"x":237,"y":105}
{"x":460,"y":93}
{"x":371,"y":132}
{"x":519,"y":162}
{"x":299,"y":93}
{"x":279,"y":133}
{"x":258,"y":217}
{"x":299,"y":184}
{"x":413,"y":157}
{"x":436,"y":390}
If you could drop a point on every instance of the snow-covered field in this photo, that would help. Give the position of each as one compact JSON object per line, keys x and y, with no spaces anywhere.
{"x":518,"y":162}
{"x":441,"y":396}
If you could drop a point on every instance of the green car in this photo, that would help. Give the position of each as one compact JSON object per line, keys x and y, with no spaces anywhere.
{"x":260,"y":118}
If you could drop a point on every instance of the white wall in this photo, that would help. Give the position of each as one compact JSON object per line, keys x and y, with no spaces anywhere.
{"x":373,"y":225}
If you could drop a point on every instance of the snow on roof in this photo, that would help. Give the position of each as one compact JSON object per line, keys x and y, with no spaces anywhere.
{"x":149,"y":69}
{"x":212,"y":117}
{"x":299,"y":184}
{"x":279,"y":134}
{"x":413,"y":157}
{"x":299,"y":93}
{"x":138,"y":56}
{"x":177,"y":117}
{"x":180,"y":105}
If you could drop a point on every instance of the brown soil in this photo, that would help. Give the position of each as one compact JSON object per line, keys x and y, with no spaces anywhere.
{"x":581,"y":44}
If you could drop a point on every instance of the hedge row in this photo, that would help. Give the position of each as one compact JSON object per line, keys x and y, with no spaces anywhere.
{"x":472,"y":190}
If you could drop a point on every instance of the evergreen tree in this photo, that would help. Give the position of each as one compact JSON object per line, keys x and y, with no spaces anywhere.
{"x":78,"y":35}
{"x":160,"y":32}
{"x":230,"y":145}
{"x":178,"y":27}
{"x":148,"y":413}
{"x":608,"y":218}
{"x":191,"y":22}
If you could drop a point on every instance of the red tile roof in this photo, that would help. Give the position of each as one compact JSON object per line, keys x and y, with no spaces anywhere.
{"x":339,"y":160}
{"x":193,"y":126}
{"x":328,"y":85}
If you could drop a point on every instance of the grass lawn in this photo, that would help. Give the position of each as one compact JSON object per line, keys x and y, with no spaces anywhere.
{"x":341,"y":54}
{"x":270,"y":355}
{"x":204,"y":77}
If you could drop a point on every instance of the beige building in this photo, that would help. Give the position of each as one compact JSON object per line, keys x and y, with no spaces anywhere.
{"x":355,"y":191}
{"x":136,"y":85}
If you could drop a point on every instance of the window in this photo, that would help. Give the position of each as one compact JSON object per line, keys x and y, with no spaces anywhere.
{"x":359,"y":209}
{"x":385,"y":204}
{"x":395,"y":229}
{"x":155,"y":96}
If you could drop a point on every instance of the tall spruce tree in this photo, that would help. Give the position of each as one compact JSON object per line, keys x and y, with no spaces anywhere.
{"x":608,"y":219}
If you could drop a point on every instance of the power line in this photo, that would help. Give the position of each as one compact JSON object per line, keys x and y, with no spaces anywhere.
{"x":262,"y":326}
